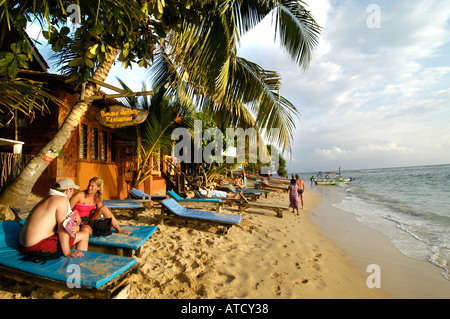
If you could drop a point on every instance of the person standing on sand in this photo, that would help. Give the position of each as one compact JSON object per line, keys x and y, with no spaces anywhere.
{"x":301,"y":187}
{"x":44,"y":230}
{"x":293,"y":196}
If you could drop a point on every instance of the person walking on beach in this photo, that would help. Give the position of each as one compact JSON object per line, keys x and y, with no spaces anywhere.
{"x":293,"y":196}
{"x":44,"y":229}
{"x":301,"y":187}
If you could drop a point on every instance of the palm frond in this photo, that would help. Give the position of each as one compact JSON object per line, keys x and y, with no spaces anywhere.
{"x":24,"y":95}
{"x":259,"y":90}
{"x":247,"y":14}
{"x":238,"y":92}
{"x":297,"y":29}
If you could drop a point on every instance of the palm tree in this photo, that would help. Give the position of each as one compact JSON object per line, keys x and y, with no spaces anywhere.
{"x":108,"y":28}
{"x":153,"y":136}
{"x":25,"y":96}
{"x":201,"y":45}
{"x":203,"y":60}
{"x":17,"y":94}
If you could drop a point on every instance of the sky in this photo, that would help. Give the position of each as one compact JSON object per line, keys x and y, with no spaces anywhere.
{"x":377,"y":91}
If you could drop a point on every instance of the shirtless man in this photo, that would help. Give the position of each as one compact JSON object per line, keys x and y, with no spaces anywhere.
{"x":43,"y":229}
{"x":301,"y":187}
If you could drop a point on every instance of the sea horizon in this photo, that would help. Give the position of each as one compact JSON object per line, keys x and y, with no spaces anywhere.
{"x":408,"y":204}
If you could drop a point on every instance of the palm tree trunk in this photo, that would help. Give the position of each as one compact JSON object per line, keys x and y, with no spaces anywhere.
{"x":17,"y":193}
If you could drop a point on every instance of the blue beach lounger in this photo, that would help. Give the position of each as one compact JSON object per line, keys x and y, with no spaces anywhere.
{"x":138,"y":194}
{"x":253,"y":194}
{"x":215,"y":201}
{"x":127,"y":205}
{"x":94,"y":274}
{"x":122,"y":244}
{"x":200,"y":200}
{"x":249,"y":190}
{"x":171,"y":207}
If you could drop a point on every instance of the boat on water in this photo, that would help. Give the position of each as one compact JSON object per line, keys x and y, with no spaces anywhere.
{"x":330,"y":178}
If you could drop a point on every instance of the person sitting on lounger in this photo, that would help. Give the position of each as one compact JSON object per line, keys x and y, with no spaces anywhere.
{"x":210,"y":192}
{"x":44,"y":230}
{"x":89,"y":204}
{"x":238,"y":181}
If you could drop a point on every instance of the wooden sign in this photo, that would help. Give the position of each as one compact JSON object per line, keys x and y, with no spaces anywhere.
{"x":119,"y":116}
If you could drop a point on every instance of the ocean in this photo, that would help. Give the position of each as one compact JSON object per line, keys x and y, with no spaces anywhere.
{"x":409,"y":205}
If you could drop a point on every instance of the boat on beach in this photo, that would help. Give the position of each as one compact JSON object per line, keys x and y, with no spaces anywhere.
{"x":330,"y":178}
{"x":255,"y":177}
{"x":284,"y":181}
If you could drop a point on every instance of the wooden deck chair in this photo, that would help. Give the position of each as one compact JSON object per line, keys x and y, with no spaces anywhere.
{"x":95,"y":275}
{"x":227,"y":200}
{"x":253,"y":194}
{"x":131,"y":206}
{"x":255,"y":190}
{"x":129,"y":245}
{"x":276,"y":208}
{"x":170,"y":208}
{"x":213,"y":201}
{"x":139,"y":195}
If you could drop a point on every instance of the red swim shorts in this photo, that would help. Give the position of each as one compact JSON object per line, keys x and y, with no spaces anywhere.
{"x":50,"y":244}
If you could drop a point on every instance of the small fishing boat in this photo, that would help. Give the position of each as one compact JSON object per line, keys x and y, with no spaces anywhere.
{"x":255,"y":177}
{"x":330,"y":178}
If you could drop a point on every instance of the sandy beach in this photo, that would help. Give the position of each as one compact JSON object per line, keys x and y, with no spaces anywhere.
{"x":401,"y":276}
{"x":265,"y":257}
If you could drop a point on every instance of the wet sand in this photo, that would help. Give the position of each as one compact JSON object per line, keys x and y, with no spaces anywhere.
{"x":401,"y":276}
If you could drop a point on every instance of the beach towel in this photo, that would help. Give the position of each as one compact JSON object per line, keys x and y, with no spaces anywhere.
{"x":173,"y":206}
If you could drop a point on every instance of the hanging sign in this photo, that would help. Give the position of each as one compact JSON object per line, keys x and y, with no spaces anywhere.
{"x":119,"y":116}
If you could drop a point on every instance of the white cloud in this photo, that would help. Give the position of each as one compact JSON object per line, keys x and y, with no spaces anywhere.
{"x":362,"y":151}
{"x":371,"y":97}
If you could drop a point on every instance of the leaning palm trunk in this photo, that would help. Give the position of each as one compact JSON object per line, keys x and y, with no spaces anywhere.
{"x":17,"y":193}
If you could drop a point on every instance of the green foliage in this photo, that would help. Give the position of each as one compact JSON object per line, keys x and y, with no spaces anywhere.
{"x":282,"y":170}
{"x":196,"y":42}
{"x":153,"y":136}
{"x":24,"y":96}
{"x":18,"y":57}
{"x":134,"y":27}
{"x":203,"y":59}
